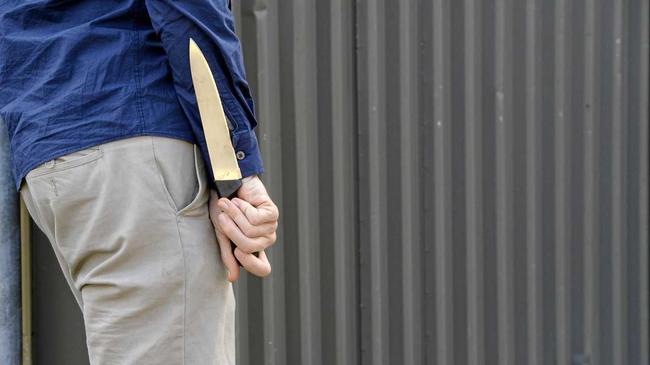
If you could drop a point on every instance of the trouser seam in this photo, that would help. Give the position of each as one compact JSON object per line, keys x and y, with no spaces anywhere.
{"x":180,"y":242}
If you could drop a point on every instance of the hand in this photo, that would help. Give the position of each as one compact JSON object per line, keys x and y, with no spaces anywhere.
{"x":250,"y":221}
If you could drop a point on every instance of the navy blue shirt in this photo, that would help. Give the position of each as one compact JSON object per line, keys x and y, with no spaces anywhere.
{"x":74,"y":74}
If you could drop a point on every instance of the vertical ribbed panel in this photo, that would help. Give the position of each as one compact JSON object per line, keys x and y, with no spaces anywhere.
{"x":590,"y":196}
{"x":372,"y":157}
{"x":473,"y":123}
{"x":503,"y":129}
{"x":640,"y":116}
{"x":533,"y":172}
{"x":562,"y":115}
{"x":619,"y":283}
{"x":306,"y":96}
{"x":460,"y":182}
{"x":438,"y":145}
{"x":410,"y":202}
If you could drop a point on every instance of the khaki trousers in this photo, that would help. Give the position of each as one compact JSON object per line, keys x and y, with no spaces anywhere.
{"x":128,"y":221}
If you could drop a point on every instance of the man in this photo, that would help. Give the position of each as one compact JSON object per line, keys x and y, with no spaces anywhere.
{"x":110,"y":158}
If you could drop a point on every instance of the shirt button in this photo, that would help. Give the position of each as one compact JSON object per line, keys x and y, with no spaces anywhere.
{"x":49,"y":164}
{"x":240,"y":155}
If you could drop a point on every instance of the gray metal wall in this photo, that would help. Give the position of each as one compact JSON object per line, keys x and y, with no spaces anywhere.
{"x":460,"y":182}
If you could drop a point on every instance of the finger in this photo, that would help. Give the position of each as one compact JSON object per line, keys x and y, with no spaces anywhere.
{"x":227,"y":256}
{"x":266,"y":212}
{"x":258,"y":266}
{"x":249,"y":245}
{"x":242,"y":221}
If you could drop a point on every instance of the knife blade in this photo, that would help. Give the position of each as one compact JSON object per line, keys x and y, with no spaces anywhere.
{"x":227,"y":176}
{"x":216,"y":128}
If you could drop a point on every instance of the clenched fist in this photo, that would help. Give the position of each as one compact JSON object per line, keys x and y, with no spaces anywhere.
{"x":250,"y":221}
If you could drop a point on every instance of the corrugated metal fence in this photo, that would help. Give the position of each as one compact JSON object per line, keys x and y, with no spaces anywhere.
{"x":461,"y":182}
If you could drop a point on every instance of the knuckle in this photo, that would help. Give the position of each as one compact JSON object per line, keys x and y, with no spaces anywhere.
{"x":238,"y":253}
{"x":228,"y":230}
{"x":231,"y":213}
{"x":237,"y":214}
{"x":248,"y":230}
{"x":257,"y":247}
{"x":263,"y":231}
{"x":275,"y":211}
{"x":261,"y":242}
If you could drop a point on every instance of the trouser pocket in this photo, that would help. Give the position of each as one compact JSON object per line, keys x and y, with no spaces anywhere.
{"x":179,"y":166}
{"x":67,"y":161}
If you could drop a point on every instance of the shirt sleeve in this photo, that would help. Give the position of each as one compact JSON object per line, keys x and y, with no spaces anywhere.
{"x":210,"y":24}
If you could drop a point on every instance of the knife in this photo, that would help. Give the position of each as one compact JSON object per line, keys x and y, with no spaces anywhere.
{"x":224,"y":164}
{"x":225,"y":168}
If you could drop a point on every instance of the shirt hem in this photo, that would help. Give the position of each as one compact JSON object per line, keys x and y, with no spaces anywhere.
{"x":31,"y":166}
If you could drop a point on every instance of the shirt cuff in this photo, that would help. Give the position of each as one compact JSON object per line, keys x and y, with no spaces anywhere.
{"x":248,"y":153}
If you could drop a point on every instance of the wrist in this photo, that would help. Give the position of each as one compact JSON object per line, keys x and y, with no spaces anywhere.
{"x":248,"y":178}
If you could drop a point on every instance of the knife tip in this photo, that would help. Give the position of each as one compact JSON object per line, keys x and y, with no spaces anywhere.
{"x":193,"y":44}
